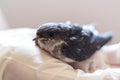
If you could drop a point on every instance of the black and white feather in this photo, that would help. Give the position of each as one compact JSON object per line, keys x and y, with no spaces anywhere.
{"x":70,"y":42}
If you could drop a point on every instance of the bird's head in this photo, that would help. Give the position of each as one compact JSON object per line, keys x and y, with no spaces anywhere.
{"x":55,"y":31}
{"x":52,"y":37}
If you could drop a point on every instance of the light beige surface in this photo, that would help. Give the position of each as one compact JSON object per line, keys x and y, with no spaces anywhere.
{"x":21,"y":64}
{"x":32,"y":13}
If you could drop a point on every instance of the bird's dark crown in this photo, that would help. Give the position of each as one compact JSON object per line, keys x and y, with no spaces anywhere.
{"x":57,"y":30}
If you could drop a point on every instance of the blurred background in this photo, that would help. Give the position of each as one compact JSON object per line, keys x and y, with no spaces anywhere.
{"x":32,"y":13}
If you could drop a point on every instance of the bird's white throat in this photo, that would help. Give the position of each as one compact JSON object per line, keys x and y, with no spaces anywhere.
{"x":50,"y":46}
{"x":54,"y":48}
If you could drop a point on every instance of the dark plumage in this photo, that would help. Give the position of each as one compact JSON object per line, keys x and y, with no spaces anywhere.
{"x":70,"y":41}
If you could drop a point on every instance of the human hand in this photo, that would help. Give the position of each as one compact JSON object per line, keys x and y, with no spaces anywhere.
{"x":112,"y":55}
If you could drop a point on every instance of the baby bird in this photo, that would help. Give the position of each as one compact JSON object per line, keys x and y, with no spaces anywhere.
{"x":70,"y":42}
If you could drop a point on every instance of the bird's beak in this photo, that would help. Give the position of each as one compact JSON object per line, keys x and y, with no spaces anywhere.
{"x":41,"y":39}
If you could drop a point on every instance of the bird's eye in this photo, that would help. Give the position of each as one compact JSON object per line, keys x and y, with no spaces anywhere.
{"x":37,"y":33}
{"x":51,"y":34}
